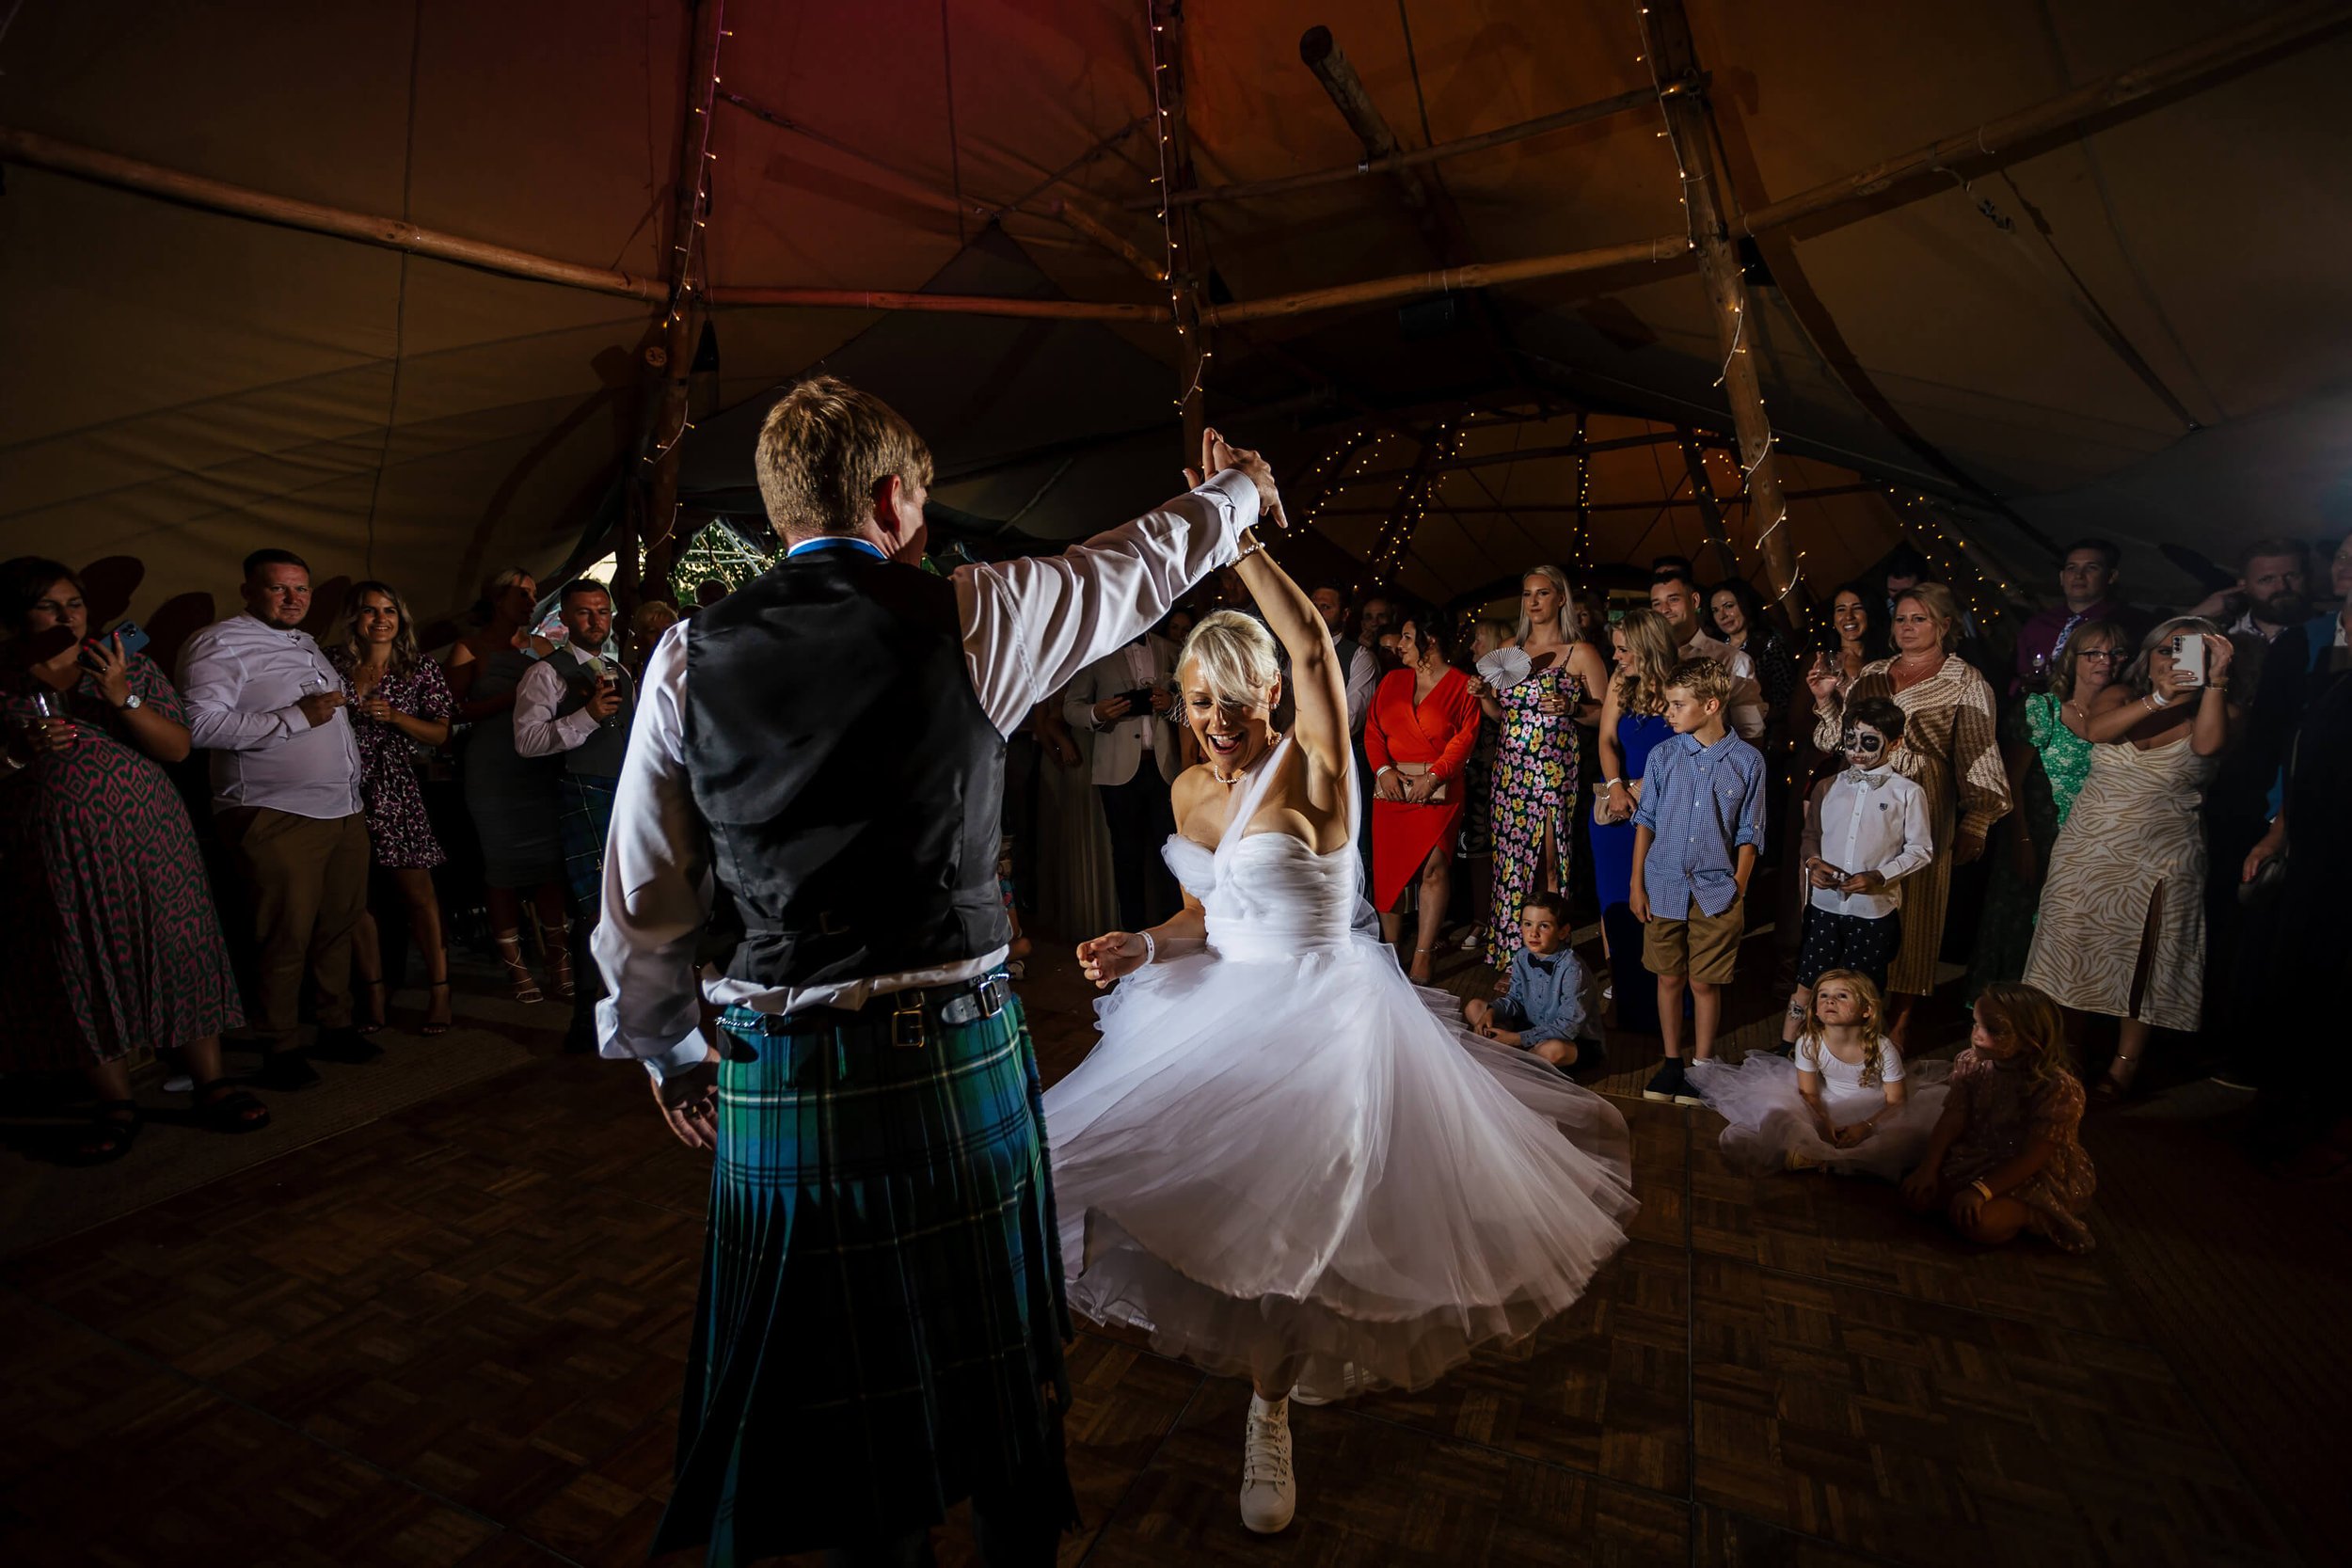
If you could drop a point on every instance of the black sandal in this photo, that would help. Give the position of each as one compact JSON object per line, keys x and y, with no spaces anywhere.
{"x":223,"y":1107}
{"x":115,"y":1128}
{"x":374,"y":1025}
{"x":429,"y":1027}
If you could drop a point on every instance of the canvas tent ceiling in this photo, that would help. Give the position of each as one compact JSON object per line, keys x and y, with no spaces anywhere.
{"x":184,"y":385}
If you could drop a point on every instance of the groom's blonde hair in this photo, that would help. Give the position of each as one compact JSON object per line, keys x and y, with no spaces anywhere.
{"x":1235,"y":656}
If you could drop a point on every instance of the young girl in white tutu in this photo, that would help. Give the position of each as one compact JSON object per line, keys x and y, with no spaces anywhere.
{"x":1279,"y":1161}
{"x":1844,"y":1101}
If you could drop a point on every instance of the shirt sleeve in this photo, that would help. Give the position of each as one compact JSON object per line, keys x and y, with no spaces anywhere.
{"x":1808,"y":1054}
{"x":1033,"y":622}
{"x":155,"y":690}
{"x":1919,"y":838}
{"x":1363,"y":679}
{"x":1982,"y":781}
{"x":1078,"y":700}
{"x":657,"y":883}
{"x":1455,"y":754}
{"x":432,"y":696}
{"x":1664,"y":759}
{"x":1751,"y":804}
{"x":211,"y":677}
{"x":1816,"y":803}
{"x":1746,"y":707}
{"x":538,"y":733}
{"x":1890,"y":1063}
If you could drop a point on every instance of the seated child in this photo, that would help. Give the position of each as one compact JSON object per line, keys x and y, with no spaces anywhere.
{"x":2006,"y":1155}
{"x":1866,"y":829}
{"x":1543,"y":1011}
{"x":1846,"y":1104}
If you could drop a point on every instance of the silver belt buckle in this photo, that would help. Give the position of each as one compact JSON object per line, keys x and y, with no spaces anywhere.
{"x":986,"y":999}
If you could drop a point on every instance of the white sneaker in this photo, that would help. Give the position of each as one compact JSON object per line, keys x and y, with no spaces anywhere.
{"x":1269,"y":1495}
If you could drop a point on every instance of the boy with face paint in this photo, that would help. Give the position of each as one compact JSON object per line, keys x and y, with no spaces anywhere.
{"x":1865,"y":829}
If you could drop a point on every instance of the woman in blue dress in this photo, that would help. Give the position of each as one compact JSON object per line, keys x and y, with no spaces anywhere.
{"x":1632,"y":719}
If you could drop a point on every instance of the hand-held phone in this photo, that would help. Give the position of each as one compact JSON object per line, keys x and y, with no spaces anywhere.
{"x":1139,"y":700}
{"x":133,"y":640}
{"x":2188,"y":657}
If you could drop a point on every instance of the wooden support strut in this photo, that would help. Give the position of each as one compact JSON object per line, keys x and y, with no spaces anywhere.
{"x":683,"y":326}
{"x":1710,"y":514}
{"x":1675,"y":65}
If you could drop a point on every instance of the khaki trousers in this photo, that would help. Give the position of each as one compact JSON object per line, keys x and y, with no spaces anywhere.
{"x":308,"y":879}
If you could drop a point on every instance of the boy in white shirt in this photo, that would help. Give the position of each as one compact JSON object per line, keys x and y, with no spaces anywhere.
{"x":1865,"y":829}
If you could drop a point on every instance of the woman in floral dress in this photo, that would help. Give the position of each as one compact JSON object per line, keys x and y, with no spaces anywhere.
{"x":2049,"y":760}
{"x":1533,"y":794}
{"x":108,"y":937}
{"x":397,"y":698}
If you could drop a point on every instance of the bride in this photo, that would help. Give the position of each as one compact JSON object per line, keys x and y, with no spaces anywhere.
{"x":1279,"y":1160}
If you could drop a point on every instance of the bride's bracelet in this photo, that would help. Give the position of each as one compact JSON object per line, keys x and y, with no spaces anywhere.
{"x":1151,"y":948}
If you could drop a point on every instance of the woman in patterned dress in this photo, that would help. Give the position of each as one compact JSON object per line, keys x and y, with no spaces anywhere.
{"x":109,"y":941}
{"x":2047,"y":759}
{"x":2122,"y":925}
{"x":397,"y":698}
{"x":1949,"y":748}
{"x":1535,"y":781}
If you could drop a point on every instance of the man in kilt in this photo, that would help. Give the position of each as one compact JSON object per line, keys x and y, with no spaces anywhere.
{"x":806,"y":825}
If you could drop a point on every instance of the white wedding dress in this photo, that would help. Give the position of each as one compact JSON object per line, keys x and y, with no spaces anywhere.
{"x":1282,"y":1162}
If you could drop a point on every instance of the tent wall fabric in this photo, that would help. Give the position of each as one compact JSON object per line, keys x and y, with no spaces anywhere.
{"x":2138,"y":327}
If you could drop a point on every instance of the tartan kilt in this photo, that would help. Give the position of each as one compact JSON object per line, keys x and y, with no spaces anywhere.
{"x":881,"y":1307}
{"x":583,"y":821}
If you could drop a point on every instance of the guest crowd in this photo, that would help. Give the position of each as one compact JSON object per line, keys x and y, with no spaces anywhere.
{"x":2158,"y":799}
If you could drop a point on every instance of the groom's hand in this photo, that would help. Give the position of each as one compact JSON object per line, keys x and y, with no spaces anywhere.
{"x":1107,"y":958}
{"x":689,"y":1101}
{"x":1218,"y":455}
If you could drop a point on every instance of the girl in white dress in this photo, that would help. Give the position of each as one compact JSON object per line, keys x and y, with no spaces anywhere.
{"x":1279,"y":1161}
{"x":1844,"y":1101}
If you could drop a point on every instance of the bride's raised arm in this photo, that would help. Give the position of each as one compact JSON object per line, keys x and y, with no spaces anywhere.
{"x":1318,"y":686}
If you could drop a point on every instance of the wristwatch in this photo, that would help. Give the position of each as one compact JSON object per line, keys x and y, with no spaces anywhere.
{"x":131,"y":703}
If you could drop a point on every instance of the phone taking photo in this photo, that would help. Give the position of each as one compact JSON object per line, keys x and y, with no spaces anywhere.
{"x":133,"y":640}
{"x":2188,"y":657}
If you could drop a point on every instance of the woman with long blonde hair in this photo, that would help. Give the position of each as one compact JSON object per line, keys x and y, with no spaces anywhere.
{"x":1632,"y":719}
{"x":1533,"y":792}
{"x":398,"y":701}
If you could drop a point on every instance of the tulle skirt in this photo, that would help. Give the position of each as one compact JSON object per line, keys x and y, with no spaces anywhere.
{"x":1296,"y":1171}
{"x":1769,"y":1120}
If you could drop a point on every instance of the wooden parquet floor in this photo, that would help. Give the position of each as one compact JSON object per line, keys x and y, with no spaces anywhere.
{"x":455,"y":1336}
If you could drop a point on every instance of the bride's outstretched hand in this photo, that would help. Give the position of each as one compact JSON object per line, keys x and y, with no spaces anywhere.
{"x":1218,"y":455}
{"x":1110,"y":955}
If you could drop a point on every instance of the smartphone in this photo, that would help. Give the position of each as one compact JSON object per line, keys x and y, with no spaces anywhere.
{"x":133,"y":640}
{"x":1138,"y":701}
{"x":2188,"y":657}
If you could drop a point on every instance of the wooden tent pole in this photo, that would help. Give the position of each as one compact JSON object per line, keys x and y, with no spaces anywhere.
{"x":1710,"y":514}
{"x":1077,"y":214}
{"x":746,"y":296}
{"x":1997,"y":141}
{"x":682,"y":326}
{"x":35,"y":150}
{"x":1672,"y":248}
{"x":1673,"y":63}
{"x":1583,"y":114}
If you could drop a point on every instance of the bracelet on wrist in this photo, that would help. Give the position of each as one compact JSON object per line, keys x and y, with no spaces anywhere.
{"x":1151,"y":948}
{"x":1979,"y":1185}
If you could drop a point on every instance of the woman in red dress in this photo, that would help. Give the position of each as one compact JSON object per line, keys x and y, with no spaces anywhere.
{"x":1418,"y":736}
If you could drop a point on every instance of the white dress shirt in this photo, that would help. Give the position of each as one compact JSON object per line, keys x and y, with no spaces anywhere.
{"x":243,"y":681}
{"x":1746,"y":709}
{"x":1029,"y":624}
{"x":1870,"y":821}
{"x":538,"y":733}
{"x":1363,"y":679}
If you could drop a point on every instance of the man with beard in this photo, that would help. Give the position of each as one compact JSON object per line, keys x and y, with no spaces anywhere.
{"x":2269,"y":595}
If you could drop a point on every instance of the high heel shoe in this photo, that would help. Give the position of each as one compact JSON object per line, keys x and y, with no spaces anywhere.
{"x":429,"y":1026}
{"x":510,"y":946}
{"x":377,"y":994}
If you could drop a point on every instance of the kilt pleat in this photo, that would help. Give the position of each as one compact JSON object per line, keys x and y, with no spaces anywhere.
{"x":881,"y":1319}
{"x":583,"y":821}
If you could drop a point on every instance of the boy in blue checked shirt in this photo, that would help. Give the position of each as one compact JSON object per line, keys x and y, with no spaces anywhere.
{"x":1697,"y":835}
{"x":1543,"y":1011}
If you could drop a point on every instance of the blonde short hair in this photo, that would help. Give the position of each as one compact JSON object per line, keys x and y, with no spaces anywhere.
{"x":1937,"y":601}
{"x":1703,"y":679}
{"x":1235,"y":657}
{"x":822,"y":450}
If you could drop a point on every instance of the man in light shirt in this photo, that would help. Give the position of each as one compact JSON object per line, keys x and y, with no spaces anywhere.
{"x":806,"y":841}
{"x":263,"y":700}
{"x":1359,"y":667}
{"x":576,"y":703}
{"x":1676,"y":596}
{"x":1136,"y":757}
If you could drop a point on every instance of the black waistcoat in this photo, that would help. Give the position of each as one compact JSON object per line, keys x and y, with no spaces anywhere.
{"x":849,"y":777}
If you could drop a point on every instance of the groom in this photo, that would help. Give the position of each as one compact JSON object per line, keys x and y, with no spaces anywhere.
{"x":806,"y":825}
